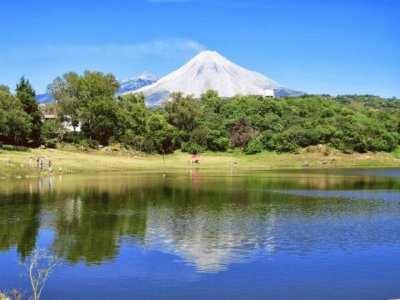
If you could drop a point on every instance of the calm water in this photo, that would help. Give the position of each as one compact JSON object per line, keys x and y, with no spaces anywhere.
{"x":201,"y":235}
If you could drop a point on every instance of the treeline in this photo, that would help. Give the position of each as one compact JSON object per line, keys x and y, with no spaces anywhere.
{"x":347,"y":123}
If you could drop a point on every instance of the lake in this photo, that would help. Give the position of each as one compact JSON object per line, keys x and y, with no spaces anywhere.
{"x":314,"y":234}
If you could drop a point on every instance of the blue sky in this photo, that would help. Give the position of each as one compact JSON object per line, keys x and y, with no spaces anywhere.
{"x":318,"y":46}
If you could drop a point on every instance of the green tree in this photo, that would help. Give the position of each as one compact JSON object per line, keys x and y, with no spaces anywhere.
{"x":132,"y":113}
{"x":51,"y":133}
{"x":212,"y":121}
{"x":15,"y":123}
{"x":182,"y":112}
{"x":26,"y":94}
{"x":4,"y":88}
{"x":160,"y":135}
{"x":100,"y":119}
{"x":132,"y":117}
{"x":90,"y":100}
{"x":66,"y":92}
{"x":254,"y":146}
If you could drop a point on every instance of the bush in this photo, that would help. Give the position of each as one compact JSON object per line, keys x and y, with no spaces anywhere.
{"x":268,"y":140}
{"x":137,"y":142}
{"x":199,"y":136}
{"x":192,"y":148}
{"x":161,"y":136}
{"x":73,"y":137}
{"x":51,"y":130}
{"x":242,"y":132}
{"x":15,"y":148}
{"x":51,"y":143}
{"x":384,"y":142}
{"x":216,"y":140}
{"x":253,"y":147}
{"x":219,"y":144}
{"x":284,"y":143}
{"x":94,"y":144}
{"x":149,"y":146}
{"x":130,"y":139}
{"x":86,"y":143}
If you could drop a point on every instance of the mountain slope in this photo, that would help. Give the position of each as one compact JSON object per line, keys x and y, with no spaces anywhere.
{"x":44,"y":98}
{"x":210,"y":70}
{"x":133,"y":84}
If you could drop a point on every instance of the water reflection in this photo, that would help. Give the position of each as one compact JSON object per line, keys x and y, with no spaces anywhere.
{"x":209,"y":221}
{"x":210,"y":239}
{"x":196,"y":181}
{"x":365,"y":195}
{"x":19,"y":222}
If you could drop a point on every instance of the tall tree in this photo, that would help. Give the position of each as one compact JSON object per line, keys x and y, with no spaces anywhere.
{"x":65,"y":91}
{"x":100,"y":119}
{"x":98,"y":106}
{"x":133,"y":112}
{"x":15,"y":123}
{"x":182,"y":111}
{"x":26,"y":94}
{"x":160,"y":134}
{"x":90,"y":100}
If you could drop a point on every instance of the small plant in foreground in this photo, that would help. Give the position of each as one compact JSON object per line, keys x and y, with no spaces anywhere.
{"x":39,"y":266}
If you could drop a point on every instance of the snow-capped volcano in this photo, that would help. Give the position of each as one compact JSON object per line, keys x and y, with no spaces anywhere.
{"x":210,"y":70}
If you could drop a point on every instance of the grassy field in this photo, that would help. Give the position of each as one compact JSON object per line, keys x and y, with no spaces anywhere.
{"x":16,"y":164}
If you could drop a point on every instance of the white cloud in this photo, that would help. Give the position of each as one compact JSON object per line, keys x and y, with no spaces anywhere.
{"x":165,"y":47}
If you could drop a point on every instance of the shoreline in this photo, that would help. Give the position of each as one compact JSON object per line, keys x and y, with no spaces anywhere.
{"x":18,"y":164}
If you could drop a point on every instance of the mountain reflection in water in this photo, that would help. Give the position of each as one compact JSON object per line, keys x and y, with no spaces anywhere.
{"x":209,"y":220}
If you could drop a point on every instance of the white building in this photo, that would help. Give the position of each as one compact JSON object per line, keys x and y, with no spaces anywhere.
{"x":67,"y":125}
{"x":269,"y":93}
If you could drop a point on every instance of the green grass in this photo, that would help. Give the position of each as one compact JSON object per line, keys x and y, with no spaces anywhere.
{"x":396,"y":153}
{"x":15,"y":164}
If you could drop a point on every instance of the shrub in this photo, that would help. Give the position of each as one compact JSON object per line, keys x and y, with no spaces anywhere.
{"x":51,"y":130}
{"x":84,"y":143}
{"x":160,"y":135}
{"x":51,"y":143}
{"x":216,"y":140}
{"x":192,"y":148}
{"x":242,"y":132}
{"x":219,"y":144}
{"x":130,"y":139}
{"x":73,"y":137}
{"x":384,"y":142}
{"x":15,"y":148}
{"x":253,"y":147}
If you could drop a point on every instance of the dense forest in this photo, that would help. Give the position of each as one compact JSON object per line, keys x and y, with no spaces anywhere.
{"x":348,"y":123}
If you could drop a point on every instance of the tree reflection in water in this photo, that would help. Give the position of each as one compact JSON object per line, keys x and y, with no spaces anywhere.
{"x":225,"y":219}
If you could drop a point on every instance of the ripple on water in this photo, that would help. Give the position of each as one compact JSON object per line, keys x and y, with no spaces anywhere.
{"x":367,"y":195}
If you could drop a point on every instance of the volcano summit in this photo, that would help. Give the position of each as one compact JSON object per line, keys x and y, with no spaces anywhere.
{"x":210,"y":70}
